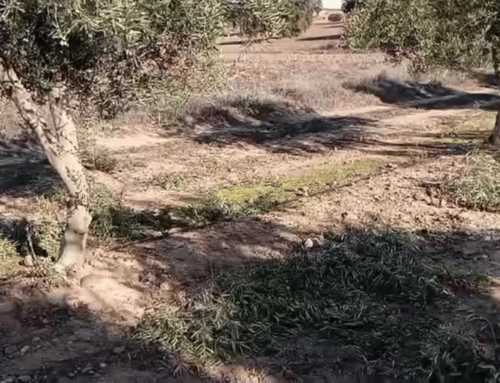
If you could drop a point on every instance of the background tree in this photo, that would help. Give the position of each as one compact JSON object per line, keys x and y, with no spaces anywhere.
{"x":456,"y":34}
{"x":100,"y":53}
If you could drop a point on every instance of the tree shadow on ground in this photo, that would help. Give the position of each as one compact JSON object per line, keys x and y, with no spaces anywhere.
{"x":281,"y":127}
{"x":27,"y":179}
{"x":24,"y":170}
{"x":319,"y":38}
{"x":275,"y":125}
{"x":68,"y":342}
{"x":488,"y":80}
{"x":424,"y":95}
{"x":248,"y":42}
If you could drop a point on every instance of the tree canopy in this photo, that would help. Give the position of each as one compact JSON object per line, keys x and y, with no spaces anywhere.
{"x":102,"y":53}
{"x":458,"y":34}
{"x":453,"y":34}
{"x":107,"y":47}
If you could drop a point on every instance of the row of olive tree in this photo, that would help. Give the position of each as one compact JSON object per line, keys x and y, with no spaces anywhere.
{"x":455,"y":34}
{"x":53,"y":52}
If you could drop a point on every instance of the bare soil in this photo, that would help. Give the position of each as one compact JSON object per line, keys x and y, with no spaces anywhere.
{"x":79,"y":328}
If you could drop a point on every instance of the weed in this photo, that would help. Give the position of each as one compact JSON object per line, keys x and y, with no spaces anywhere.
{"x":259,"y":107}
{"x":38,"y":239}
{"x":98,"y":158}
{"x":263,"y":107}
{"x":92,"y":155}
{"x":169,"y":181}
{"x":372,"y":297}
{"x":45,"y":269}
{"x":473,"y":128}
{"x":47,"y":239}
{"x":8,"y":254}
{"x":217,"y":209}
{"x":479,"y":185}
{"x":104,"y":207}
{"x":111,"y":220}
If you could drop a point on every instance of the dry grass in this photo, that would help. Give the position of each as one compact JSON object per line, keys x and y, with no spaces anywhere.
{"x":327,"y":82}
{"x":314,"y":79}
{"x":321,"y":90}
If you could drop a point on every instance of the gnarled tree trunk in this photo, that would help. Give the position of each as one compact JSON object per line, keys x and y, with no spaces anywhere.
{"x":60,"y":145}
{"x":495,"y":136}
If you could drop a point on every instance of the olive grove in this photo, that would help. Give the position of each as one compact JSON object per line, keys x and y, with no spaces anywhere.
{"x":452,"y":34}
{"x":59,"y":58}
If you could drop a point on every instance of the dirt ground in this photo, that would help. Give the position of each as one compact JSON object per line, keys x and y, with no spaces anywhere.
{"x":353,"y":107}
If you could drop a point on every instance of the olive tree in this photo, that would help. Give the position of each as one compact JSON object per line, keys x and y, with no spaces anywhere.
{"x":58,"y":57}
{"x":456,"y":34}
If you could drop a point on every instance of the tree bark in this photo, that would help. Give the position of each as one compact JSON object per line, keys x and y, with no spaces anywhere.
{"x":60,"y":145}
{"x":495,"y":136}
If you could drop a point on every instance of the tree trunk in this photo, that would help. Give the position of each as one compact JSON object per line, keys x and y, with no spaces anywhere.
{"x":495,"y":136}
{"x":60,"y":145}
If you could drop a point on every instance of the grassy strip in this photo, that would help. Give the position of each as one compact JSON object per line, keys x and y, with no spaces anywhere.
{"x":8,"y":254}
{"x":283,"y":189}
{"x":373,"y":298}
{"x":479,"y":185}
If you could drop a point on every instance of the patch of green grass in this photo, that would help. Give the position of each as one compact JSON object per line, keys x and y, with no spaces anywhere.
{"x":373,"y":299}
{"x":281,"y":190}
{"x":8,"y":255}
{"x":478,"y":187}
{"x":247,"y":200}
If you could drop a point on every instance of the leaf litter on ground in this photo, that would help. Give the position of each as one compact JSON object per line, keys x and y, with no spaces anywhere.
{"x":375,"y":298}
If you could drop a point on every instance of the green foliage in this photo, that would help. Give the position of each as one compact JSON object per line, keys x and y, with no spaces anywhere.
{"x":110,"y":53}
{"x":47,"y":239}
{"x":372,"y":297}
{"x":479,"y":186}
{"x":266,"y":18}
{"x":41,"y":239}
{"x":458,"y":33}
